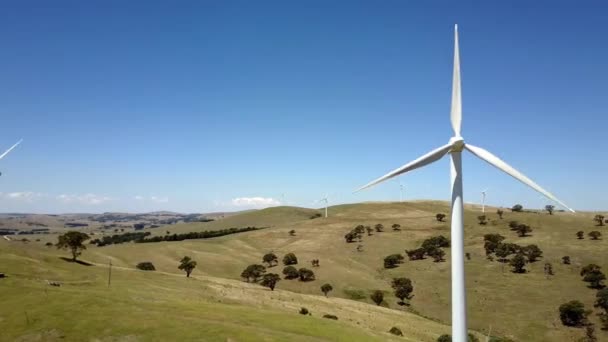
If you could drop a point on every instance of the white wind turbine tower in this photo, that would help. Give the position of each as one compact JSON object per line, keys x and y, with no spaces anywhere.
{"x":483,"y":200}
{"x":454,"y":147}
{"x":326,"y":200}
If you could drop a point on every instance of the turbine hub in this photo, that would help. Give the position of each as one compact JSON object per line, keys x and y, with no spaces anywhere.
{"x":457,"y":144}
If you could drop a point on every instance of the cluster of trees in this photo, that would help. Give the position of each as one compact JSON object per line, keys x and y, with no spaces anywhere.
{"x":357,"y":232}
{"x":119,"y":238}
{"x":494,"y":244}
{"x":594,"y":235}
{"x":207,"y":234}
{"x":521,"y":229}
{"x":256,"y":272}
{"x":593,"y":275}
{"x":432,"y":247}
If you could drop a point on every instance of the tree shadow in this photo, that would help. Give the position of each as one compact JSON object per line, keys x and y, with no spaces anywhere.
{"x":84,"y":263}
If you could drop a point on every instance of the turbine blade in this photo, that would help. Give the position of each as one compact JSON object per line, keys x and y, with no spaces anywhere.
{"x":426,"y":159}
{"x":456,"y":112}
{"x":10,"y":149}
{"x":501,"y":165}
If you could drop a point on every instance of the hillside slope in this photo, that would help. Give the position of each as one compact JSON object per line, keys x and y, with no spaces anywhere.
{"x":521,"y":306}
{"x":162,"y":306}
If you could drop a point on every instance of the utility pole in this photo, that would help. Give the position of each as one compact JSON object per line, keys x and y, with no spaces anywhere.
{"x":110,"y":273}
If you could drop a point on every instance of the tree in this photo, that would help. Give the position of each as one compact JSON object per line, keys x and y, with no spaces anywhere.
{"x":467,"y":255}
{"x":532,"y":252}
{"x":482,"y":220}
{"x":601,"y":299}
{"x":72,"y":240}
{"x":599,"y":219}
{"x":271,"y":259}
{"x":589,"y":268}
{"x":499,"y":212}
{"x":292,"y":233}
{"x":415,"y":254}
{"x":595,"y":235}
{"x":566,"y":260}
{"x":518,"y":262}
{"x":379,"y":227}
{"x":393,"y":260}
{"x":491,"y":242}
{"x":580,"y":234}
{"x":595,"y":279}
{"x":523,"y":229}
{"x":435,"y":242}
{"x":253,"y":272}
{"x":396,"y":227}
{"x":369,"y":230}
{"x":517,"y":208}
{"x":350,"y":237}
{"x":360,"y":229}
{"x":440,"y":217}
{"x":326,"y":288}
{"x":437,"y":254}
{"x":306,"y":274}
{"x":187,"y":265}
{"x":377,"y":297}
{"x":403,"y":289}
{"x":270,"y":280}
{"x":573,"y":314}
{"x":513,"y":225}
{"x":396,"y":331}
{"x":549,"y":208}
{"x":291,"y":272}
{"x":502,"y":251}
{"x":145,"y":266}
{"x":290,"y":259}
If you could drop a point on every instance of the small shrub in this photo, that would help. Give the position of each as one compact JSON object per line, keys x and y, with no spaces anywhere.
{"x":377,"y":297}
{"x":393,"y":260}
{"x":290,"y":259}
{"x":594,"y":235}
{"x":326,"y":288}
{"x":396,"y":227}
{"x":517,"y":208}
{"x":573,"y":314}
{"x":518,"y":262}
{"x":334,"y":317}
{"x":440,"y":217}
{"x":306,"y":274}
{"x":523,"y":230}
{"x":292,"y":233}
{"x":482,"y":220}
{"x":317,"y":215}
{"x":146,"y":266}
{"x":580,"y":235}
{"x":396,"y":331}
{"x":379,"y":227}
{"x":416,"y":254}
{"x":500,"y":213}
{"x":566,"y":260}
{"x":304,"y":311}
{"x":49,"y":244}
{"x":468,"y":256}
{"x":291,"y":272}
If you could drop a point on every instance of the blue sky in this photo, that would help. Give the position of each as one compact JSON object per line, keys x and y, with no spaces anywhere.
{"x":207,"y":105}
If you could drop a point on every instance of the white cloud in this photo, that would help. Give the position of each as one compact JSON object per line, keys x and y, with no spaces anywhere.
{"x":159,"y":199}
{"x":255,"y":202}
{"x":28,"y":196}
{"x":138,"y":198}
{"x":91,"y":199}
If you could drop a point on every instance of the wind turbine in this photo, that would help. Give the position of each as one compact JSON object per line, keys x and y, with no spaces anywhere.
{"x":10,"y":149}
{"x":454,"y":147}
{"x":326,"y":200}
{"x":483,"y":200}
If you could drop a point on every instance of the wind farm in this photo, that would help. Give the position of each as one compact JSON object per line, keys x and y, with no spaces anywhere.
{"x":170,"y":188}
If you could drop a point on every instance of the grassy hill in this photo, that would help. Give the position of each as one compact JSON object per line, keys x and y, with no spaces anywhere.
{"x":163,"y":306}
{"x":520,"y":306}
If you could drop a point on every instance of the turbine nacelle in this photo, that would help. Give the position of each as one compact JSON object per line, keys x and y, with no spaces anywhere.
{"x":457,"y":144}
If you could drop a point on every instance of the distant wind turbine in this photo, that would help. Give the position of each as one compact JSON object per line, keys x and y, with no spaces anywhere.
{"x":326,"y":200}
{"x":483,"y":200}
{"x":455,"y":147}
{"x":10,"y":149}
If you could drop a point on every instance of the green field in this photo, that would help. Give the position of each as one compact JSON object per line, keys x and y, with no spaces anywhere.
{"x":218,"y":305}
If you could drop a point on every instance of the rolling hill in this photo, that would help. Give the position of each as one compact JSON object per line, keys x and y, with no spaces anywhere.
{"x":522,"y":307}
